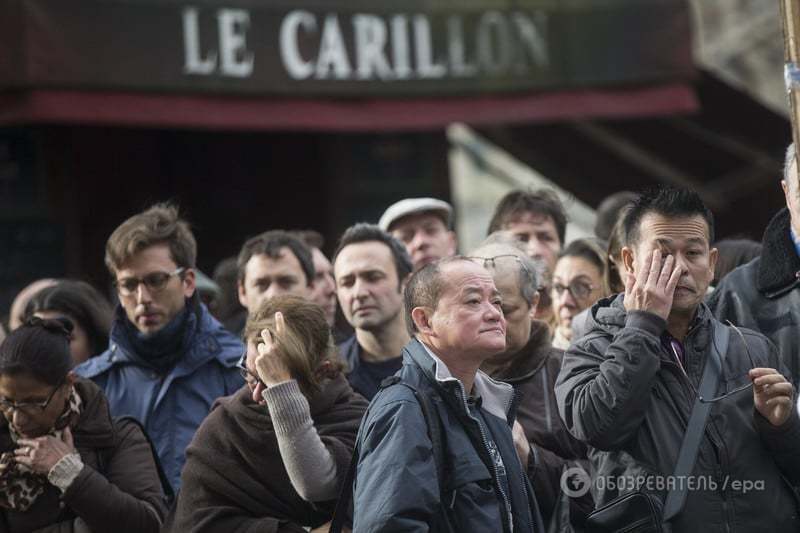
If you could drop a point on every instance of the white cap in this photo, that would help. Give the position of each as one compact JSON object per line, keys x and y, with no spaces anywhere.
{"x":412,"y":206}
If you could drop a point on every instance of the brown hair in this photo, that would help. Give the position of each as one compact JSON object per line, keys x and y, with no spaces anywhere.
{"x":160,"y":224}
{"x":539,"y":202}
{"x":306,"y":344}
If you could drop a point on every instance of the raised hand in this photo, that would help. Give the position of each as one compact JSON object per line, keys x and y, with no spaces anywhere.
{"x":41,"y":454}
{"x":270,"y":363}
{"x":653,"y":288}
{"x":773,"y":396}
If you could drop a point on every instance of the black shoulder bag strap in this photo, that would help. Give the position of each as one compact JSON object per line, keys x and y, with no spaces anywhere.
{"x":434,"y":433}
{"x":687,"y":456}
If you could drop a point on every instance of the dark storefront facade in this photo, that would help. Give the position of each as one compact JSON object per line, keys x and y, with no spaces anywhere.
{"x":253,"y":115}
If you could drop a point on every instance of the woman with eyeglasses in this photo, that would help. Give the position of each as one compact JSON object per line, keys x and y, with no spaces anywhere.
{"x":272,"y":456}
{"x":65,"y":465}
{"x":579,"y":280}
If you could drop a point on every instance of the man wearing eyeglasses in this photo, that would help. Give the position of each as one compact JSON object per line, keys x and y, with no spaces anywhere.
{"x":629,"y":387}
{"x":168,"y":358}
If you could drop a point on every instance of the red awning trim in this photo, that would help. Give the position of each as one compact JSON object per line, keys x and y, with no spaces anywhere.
{"x":229,"y":113}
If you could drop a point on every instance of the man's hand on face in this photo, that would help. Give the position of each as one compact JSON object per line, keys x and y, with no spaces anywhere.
{"x":653,"y":288}
{"x":772,"y":395}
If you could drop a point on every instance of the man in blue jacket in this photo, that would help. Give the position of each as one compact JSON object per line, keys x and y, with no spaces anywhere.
{"x":470,"y":478}
{"x":168,"y":358}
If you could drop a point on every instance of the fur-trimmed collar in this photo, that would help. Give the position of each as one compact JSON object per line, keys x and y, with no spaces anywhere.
{"x":780,"y":265}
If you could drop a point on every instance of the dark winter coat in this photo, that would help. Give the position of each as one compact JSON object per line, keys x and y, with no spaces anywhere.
{"x":533,"y":372}
{"x":397,"y":487}
{"x":235,"y":480}
{"x":118,"y":489}
{"x":623,"y":393}
{"x":764,"y":295}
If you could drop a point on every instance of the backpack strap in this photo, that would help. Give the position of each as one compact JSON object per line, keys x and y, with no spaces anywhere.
{"x":435,"y":433}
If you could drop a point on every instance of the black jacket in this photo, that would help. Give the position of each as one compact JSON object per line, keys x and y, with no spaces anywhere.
{"x":396,"y":486}
{"x":764,"y":295}
{"x":622,"y":393}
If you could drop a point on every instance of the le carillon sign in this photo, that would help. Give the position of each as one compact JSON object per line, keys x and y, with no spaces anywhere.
{"x":342,"y":48}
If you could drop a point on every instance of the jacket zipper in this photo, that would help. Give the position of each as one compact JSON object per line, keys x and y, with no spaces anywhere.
{"x":496,"y":476}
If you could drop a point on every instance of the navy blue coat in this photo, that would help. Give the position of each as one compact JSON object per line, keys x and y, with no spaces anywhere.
{"x":397,"y":487}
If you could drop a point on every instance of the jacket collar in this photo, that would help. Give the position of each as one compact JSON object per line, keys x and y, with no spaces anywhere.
{"x":497,"y":397}
{"x":779,"y":266}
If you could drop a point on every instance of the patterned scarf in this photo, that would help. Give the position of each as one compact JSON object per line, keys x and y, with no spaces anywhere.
{"x":19,"y":485}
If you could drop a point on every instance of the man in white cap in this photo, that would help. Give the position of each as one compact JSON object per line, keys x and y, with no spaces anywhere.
{"x":423,"y":225}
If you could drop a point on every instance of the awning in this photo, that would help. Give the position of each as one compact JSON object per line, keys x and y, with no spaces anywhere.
{"x":341,"y":65}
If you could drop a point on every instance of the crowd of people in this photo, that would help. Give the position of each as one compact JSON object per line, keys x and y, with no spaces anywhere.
{"x":529,"y":384}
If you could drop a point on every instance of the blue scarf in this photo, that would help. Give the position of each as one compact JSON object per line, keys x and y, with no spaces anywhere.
{"x":162,"y":349}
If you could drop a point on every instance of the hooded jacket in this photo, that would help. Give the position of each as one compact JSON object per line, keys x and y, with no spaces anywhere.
{"x":622,"y":393}
{"x":118,"y":489}
{"x":532,"y":372}
{"x":397,"y":486}
{"x":235,"y":478}
{"x":170,"y":406}
{"x":764,"y":294}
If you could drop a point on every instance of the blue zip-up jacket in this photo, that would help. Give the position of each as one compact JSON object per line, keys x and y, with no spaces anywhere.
{"x":171,"y":406}
{"x":397,"y":486}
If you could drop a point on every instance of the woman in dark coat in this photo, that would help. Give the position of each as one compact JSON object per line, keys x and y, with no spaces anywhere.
{"x":65,"y":465}
{"x":271,"y":457}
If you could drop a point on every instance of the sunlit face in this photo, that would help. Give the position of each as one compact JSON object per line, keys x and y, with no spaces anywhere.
{"x":324,"y":292}
{"x":686,"y":238}
{"x":266,"y":277}
{"x":539,"y":233}
{"x":366,"y":282}
{"x":577,"y":284}
{"x":32,"y":422}
{"x":151,"y":310}
{"x":426,"y":238}
{"x":79,"y":345}
{"x":468,"y":321}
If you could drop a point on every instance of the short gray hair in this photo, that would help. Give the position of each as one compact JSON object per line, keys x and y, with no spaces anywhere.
{"x":530,"y":270}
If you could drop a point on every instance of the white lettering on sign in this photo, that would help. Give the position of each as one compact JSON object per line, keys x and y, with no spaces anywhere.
{"x":236,"y":61}
{"x":294,"y":63}
{"x":332,"y":52}
{"x":370,"y":42}
{"x":234,"y":58}
{"x":365,"y":46}
{"x":194,"y":63}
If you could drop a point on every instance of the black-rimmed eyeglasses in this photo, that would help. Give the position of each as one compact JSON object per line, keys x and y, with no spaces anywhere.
{"x":155,"y":282}
{"x":30,"y":408}
{"x":250,"y":377}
